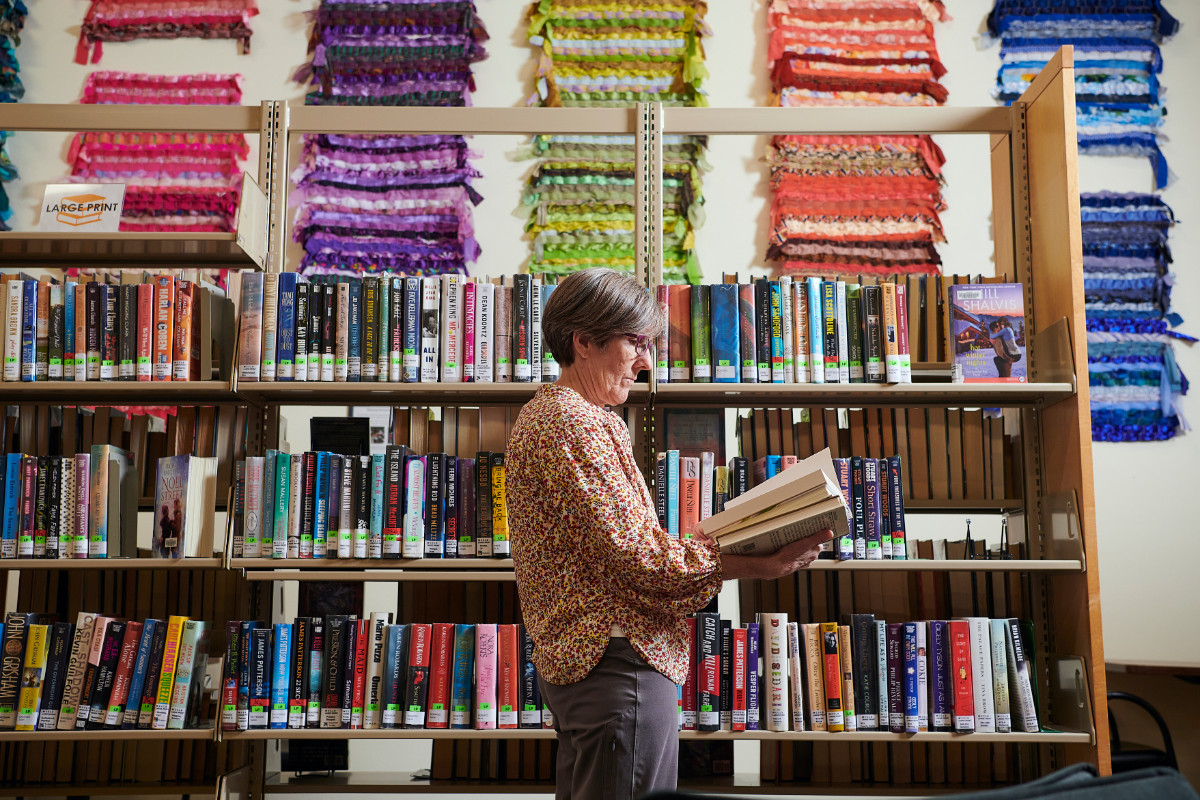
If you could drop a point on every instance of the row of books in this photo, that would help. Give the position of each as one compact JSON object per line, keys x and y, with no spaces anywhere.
{"x":95,"y":331}
{"x":101,"y":673}
{"x":964,"y":675}
{"x":393,"y":329}
{"x":784,"y":331}
{"x":389,"y":505}
{"x":341,"y":671}
{"x":81,"y":506}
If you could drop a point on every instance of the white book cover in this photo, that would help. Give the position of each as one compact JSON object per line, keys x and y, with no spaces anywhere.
{"x":12,"y":330}
{"x":485,"y":306}
{"x":430,"y":328}
{"x":485,"y":676}
{"x":250,"y":310}
{"x":270,"y":311}
{"x":294,"y":512}
{"x":414,"y":502}
{"x":786,"y":317}
{"x":902,"y":316}
{"x":345,"y":531}
{"x":252,"y":514}
{"x":451,"y":329}
{"x":706,"y":484}
{"x":69,"y":516}
{"x":922,"y":676}
{"x":341,"y":341}
{"x":535,"y":329}
{"x":980,"y":631}
{"x":843,"y":334}
{"x":800,"y":331}
{"x":1022,"y":705}
{"x":1000,"y":676}
{"x":774,"y":692}
{"x":396,"y":346}
{"x":795,"y":676}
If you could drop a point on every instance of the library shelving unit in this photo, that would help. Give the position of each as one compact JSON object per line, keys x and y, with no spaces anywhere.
{"x":1039,"y":468}
{"x":47,"y":417}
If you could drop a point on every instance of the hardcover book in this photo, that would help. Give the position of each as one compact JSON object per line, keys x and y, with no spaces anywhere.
{"x":987,"y":332}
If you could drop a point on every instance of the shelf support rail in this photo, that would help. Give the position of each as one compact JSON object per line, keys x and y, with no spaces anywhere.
{"x":272,"y":176}
{"x":648,"y":187}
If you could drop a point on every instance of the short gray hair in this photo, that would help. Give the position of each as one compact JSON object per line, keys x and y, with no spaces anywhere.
{"x":600,"y":303}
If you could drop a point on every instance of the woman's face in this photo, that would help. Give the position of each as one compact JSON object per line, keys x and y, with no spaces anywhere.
{"x":611,"y":370}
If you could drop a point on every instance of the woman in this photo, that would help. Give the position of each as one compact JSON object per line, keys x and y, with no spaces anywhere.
{"x":1004,"y":344}
{"x":604,"y":591}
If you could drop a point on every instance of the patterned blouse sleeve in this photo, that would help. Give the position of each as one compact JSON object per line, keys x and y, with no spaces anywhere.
{"x":617,"y":531}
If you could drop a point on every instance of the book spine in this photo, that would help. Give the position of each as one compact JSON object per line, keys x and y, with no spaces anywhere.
{"x":895,"y":495}
{"x":270,"y":319}
{"x":315,"y":668}
{"x":843,"y":332}
{"x":316,"y":330}
{"x":451,"y":366}
{"x":854,"y":332}
{"x":739,"y":671}
{"x":354,"y":332}
{"x":845,"y":476}
{"x":502,"y":325}
{"x":281,"y":661}
{"x":150,"y":685}
{"x":30,"y":689}
{"x":435,"y":506}
{"x":144,"y":332}
{"x":341,"y":343}
{"x":41,"y":507}
{"x":300,"y":359}
{"x":413,"y":545}
{"x":27,"y":530}
{"x":166,"y":676}
{"x":250,"y":349}
{"x":883,"y":685}
{"x":706,"y":485}
{"x":42,"y":332}
{"x":483,"y":504}
{"x":775,"y":670}
{"x":726,"y":353}
{"x":891,"y":348}
{"x":29,"y":308}
{"x":701,"y":329}
{"x":57,"y":658}
{"x":230,"y":671}
{"x":70,"y":328}
{"x":361,"y":502}
{"x":521,"y":324}
{"x":874,"y":509}
{"x":308,"y":505}
{"x":379,"y":469}
{"x":102,"y":686}
{"x":679,"y":337}
{"x":778,"y":371}
{"x":1000,"y":688}
{"x":76,"y":667}
{"x":980,"y":639}
{"x":57,"y":334}
{"x":54,"y":507}
{"x":753,"y":659}
{"x":814,"y":655}
{"x":441,"y":665}
{"x":12,"y":504}
{"x":508,"y":677}
{"x":110,"y":331}
{"x":259,"y":694}
{"x":800,"y":325}
{"x":430,"y":328}
{"x":866,"y":696}
{"x":465,"y":469}
{"x":795,"y":676}
{"x":662,"y":342}
{"x":462,"y":676}
{"x":872,"y":320}
{"x":689,"y":497}
{"x":336,"y":627}
{"x":708,"y":671}
{"x":369,"y":357}
{"x":961,"y":672}
{"x":469,"y":328}
{"x":829,"y":331}
{"x":762,"y":328}
{"x":329,"y":332}
{"x":343,"y":499}
{"x":832,"y":676}
{"x":185,"y":299}
{"x":356,"y":678}
{"x":909,"y":654}
{"x":292,"y":690}
{"x":902,"y":332}
{"x":940,"y":697}
{"x":1020,"y":678}
{"x":689,"y":695}
{"x":485,"y":676}
{"x":12,"y":329}
{"x":787,"y":326}
{"x":535,"y":328}
{"x":122,"y":689}
{"x":726,"y":678}
{"x":895,"y":676}
{"x":485,"y":314}
{"x":285,"y":338}
{"x":449,"y":528}
{"x":846,"y":660}
{"x":501,"y":546}
{"x":747,"y":335}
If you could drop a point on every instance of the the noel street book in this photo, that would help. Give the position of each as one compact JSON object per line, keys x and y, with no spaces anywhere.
{"x":799,"y":502}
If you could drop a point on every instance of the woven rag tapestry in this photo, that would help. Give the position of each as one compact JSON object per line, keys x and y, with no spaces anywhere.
{"x":1135,"y":383}
{"x":1118,"y":107}
{"x":126,"y":20}
{"x":862,"y":204}
{"x":12,"y":19}
{"x":580,"y":193}
{"x":388,"y":203}
{"x":173,"y":181}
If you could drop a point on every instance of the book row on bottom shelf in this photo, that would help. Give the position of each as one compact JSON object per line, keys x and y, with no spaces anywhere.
{"x":344,"y":672}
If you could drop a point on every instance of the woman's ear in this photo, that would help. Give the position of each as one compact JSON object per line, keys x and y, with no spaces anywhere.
{"x":583,"y":344}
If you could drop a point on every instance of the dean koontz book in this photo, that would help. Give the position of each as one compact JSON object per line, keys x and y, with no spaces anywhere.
{"x":987,"y":330}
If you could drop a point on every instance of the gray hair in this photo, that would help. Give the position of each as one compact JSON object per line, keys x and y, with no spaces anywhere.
{"x":599,"y":303}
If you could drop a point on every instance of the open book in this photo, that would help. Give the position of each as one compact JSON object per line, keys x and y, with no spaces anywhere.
{"x":801,"y":501}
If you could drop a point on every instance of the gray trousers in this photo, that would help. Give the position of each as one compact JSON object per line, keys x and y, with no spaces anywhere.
{"x":617,"y":729}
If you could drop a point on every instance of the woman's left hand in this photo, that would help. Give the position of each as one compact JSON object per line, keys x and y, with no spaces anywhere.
{"x":785,"y":561}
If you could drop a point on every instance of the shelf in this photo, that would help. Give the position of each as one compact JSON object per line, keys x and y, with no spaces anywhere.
{"x":791,"y":736}
{"x":379,"y":575}
{"x":124,"y":249}
{"x":926,"y":565}
{"x":935,"y":505}
{"x":198,"y":734}
{"x":119,"y":393}
{"x":853,"y":395}
{"x":383,"y":393}
{"x":151,"y":789}
{"x":99,"y":564}
{"x":375,"y":569}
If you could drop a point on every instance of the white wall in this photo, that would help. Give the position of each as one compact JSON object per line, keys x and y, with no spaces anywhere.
{"x":1148,"y":547}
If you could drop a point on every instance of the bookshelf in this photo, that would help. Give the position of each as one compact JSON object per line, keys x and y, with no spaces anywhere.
{"x":1033,"y":178}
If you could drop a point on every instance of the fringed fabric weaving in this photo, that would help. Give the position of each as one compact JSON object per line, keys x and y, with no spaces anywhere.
{"x":1135,"y":383}
{"x":1118,"y":103}
{"x":12,"y":20}
{"x":580,"y":193}
{"x":126,"y":20}
{"x":862,"y":204}
{"x":173,"y":181}
{"x":388,"y":203}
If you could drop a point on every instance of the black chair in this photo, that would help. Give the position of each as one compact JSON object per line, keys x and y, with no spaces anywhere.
{"x":1127,"y":756}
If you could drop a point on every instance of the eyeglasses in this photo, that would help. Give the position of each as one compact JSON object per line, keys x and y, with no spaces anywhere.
{"x":640,"y":342}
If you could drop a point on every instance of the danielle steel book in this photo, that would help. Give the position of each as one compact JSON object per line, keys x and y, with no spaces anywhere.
{"x":987,"y":332}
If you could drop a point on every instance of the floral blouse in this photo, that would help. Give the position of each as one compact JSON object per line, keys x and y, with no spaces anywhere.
{"x":587,"y":548}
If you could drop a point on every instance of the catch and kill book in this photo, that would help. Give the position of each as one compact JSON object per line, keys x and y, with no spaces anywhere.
{"x":987,"y":332}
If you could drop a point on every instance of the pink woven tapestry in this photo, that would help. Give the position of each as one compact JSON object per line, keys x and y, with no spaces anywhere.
{"x":126,"y":20}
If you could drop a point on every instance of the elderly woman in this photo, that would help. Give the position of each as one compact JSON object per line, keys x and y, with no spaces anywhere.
{"x":604,"y":590}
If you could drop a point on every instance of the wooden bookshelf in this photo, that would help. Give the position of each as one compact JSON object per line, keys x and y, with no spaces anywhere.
{"x":195,"y":735}
{"x":841,"y":395}
{"x":399,"y":394}
{"x":122,"y":393}
{"x":109,"y":790}
{"x":108,"y":564}
{"x":123,"y":249}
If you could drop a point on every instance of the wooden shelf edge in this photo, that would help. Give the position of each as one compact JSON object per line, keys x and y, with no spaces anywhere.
{"x":393,"y":564}
{"x":1067,"y":737}
{"x":923,"y":565}
{"x":972,"y":395}
{"x":196,"y":734}
{"x":106,"y":789}
{"x":97,"y":564}
{"x":132,"y":393}
{"x":371,"y":575}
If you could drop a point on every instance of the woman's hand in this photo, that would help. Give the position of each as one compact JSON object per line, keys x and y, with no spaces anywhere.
{"x":784,"y":561}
